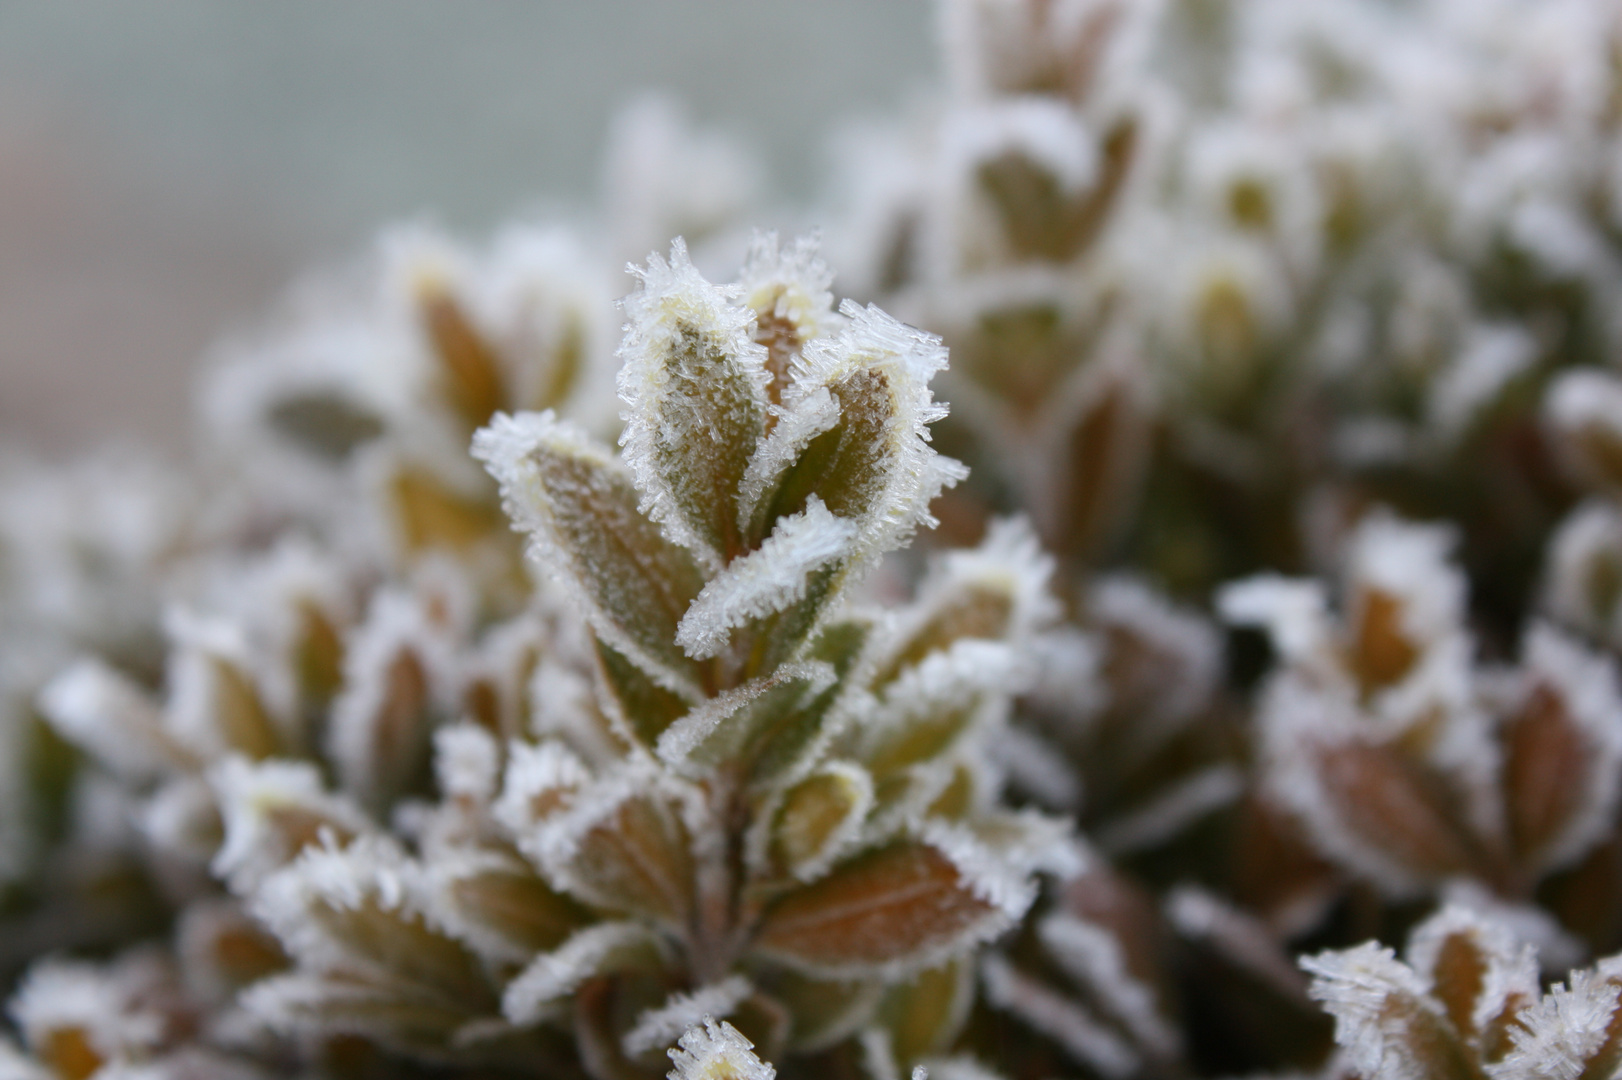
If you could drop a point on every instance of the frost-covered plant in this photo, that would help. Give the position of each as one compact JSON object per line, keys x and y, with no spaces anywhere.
{"x":789,"y":810}
{"x":1237,"y":293}
{"x":87,"y":551}
{"x":1466,"y":1000}
{"x":724,"y":787}
{"x":1405,"y":760}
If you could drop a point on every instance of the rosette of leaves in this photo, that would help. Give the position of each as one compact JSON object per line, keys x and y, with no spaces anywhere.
{"x":1406,"y":762}
{"x":1466,"y":1000}
{"x":299,"y":709}
{"x":768,"y":805}
{"x":794,"y":821}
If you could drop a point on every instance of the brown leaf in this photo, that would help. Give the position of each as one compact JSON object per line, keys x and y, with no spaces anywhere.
{"x":1108,"y":443}
{"x":1458,"y":979}
{"x":905,"y":904}
{"x":1397,"y":808}
{"x":1546,"y":772}
{"x":1381,"y":652}
{"x":431,"y":516}
{"x":1040,"y":220}
{"x":471,"y":369}
{"x":240,"y":713}
{"x":636,"y":859}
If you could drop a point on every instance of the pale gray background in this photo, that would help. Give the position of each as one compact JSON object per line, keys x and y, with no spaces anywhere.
{"x":167,"y":165}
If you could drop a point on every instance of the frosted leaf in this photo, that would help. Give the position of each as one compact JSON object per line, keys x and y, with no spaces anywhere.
{"x":495,"y":903}
{"x":580,"y":510}
{"x":358,"y":914}
{"x":76,"y":1016}
{"x":816,"y":820}
{"x":1172,"y":809}
{"x":716,"y":1051}
{"x":998,"y":591}
{"x":1556,"y":948}
{"x":553,"y":977}
{"x":792,"y":432}
{"x":624,"y":707}
{"x":1385,"y":1019}
{"x":272,"y":811}
{"x":926,"y":1013}
{"x":1129,"y":609}
{"x":694,"y":383}
{"x":1563,"y":749}
{"x":1478,"y":970}
{"x":789,"y":292}
{"x":743,"y":724}
{"x":1037,"y":768}
{"x":1241,"y":939}
{"x":878,"y":1060}
{"x":1083,"y":1036}
{"x":1092,"y":957}
{"x":222,"y":950}
{"x":1584,"y":406}
{"x":1027,"y":841}
{"x":216,"y":704}
{"x":1245,"y":176}
{"x":1069,"y":675}
{"x":1411,"y":564}
{"x":940,"y":701}
{"x":767,"y":580}
{"x":181,"y":820}
{"x":619,"y":842}
{"x":380,"y":732}
{"x":1364,"y":803}
{"x":659,"y":1027}
{"x":416,"y":1020}
{"x":901,"y":908}
{"x":998,"y":47}
{"x":471,"y":372}
{"x":874,"y":466}
{"x":1491,"y":359}
{"x":107,"y":715}
{"x":1560,"y":1037}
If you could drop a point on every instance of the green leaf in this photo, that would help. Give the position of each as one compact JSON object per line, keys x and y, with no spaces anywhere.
{"x":739,"y":726}
{"x":695,"y":384}
{"x":580,"y":508}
